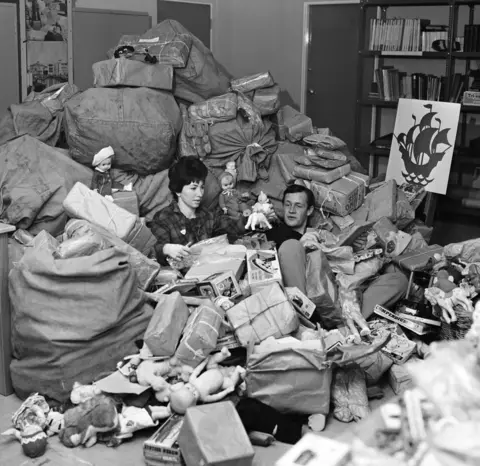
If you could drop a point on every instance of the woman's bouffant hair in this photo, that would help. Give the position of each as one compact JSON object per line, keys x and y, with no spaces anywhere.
{"x":185,"y":171}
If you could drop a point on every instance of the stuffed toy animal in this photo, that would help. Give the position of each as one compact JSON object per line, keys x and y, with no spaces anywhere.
{"x":55,"y":423}
{"x":85,"y":421}
{"x":209,"y":387}
{"x":81,"y":393}
{"x":436,"y":296}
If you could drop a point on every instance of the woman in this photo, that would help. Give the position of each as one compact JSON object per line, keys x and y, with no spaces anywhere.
{"x":184,"y":222}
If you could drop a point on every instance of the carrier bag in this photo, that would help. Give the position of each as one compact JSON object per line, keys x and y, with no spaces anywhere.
{"x":140,"y":124}
{"x":72,"y":319}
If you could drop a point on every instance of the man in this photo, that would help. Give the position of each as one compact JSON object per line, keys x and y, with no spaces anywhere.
{"x":294,"y":241}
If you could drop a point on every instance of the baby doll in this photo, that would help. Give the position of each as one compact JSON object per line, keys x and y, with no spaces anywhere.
{"x":231,"y":201}
{"x":102,"y":181}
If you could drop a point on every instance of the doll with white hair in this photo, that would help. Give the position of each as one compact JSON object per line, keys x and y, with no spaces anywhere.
{"x":102,"y":181}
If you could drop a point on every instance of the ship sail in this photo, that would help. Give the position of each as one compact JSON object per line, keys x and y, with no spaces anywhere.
{"x":422,"y":144}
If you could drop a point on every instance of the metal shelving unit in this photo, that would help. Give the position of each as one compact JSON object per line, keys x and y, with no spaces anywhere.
{"x":380,"y":7}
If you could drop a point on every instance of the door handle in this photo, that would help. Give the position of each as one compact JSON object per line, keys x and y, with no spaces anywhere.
{"x":311,"y":91}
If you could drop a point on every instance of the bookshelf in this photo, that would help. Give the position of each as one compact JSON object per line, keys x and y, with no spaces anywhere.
{"x":405,"y":42}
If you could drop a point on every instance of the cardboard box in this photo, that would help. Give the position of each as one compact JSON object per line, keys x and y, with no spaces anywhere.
{"x":301,"y":303}
{"x":399,"y":379}
{"x":220,"y":284}
{"x":263,"y":268}
{"x":341,"y":197}
{"x":383,"y":202}
{"x":213,"y":435}
{"x":166,"y":325}
{"x":161,"y":449}
{"x":264,"y":314}
{"x":399,"y":349}
{"x":127,"y":200}
{"x":221,"y":258}
{"x":315,"y":450}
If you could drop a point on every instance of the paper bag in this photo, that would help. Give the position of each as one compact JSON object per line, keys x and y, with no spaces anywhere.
{"x":166,"y":325}
{"x":293,"y":380}
{"x":82,"y":202}
{"x":200,"y":334}
{"x":264,"y":314}
{"x":322,"y":290}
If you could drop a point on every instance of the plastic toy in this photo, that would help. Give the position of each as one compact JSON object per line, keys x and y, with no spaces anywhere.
{"x":81,"y":393}
{"x":209,"y":387}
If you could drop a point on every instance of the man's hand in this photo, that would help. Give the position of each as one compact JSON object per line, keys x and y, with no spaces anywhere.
{"x":310,"y":240}
{"x":176,"y":251}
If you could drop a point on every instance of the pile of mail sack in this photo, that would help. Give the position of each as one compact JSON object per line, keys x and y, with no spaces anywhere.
{"x":87,"y":291}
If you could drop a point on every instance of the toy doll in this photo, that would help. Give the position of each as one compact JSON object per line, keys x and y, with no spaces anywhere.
{"x":102,"y":181}
{"x":231,"y":201}
{"x":209,"y":387}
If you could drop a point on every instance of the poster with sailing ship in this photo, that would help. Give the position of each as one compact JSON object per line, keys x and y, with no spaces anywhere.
{"x":47,"y":31}
{"x":423,"y":143}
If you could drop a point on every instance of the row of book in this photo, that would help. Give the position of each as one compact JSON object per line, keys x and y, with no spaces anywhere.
{"x":405,"y":35}
{"x":391,"y":84}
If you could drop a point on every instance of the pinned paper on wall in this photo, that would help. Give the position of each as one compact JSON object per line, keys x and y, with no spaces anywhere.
{"x":423,"y":142}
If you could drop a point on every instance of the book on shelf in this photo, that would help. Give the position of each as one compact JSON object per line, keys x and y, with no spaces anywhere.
{"x":457,"y":88}
{"x":404,"y":35}
{"x":392,"y":84}
{"x":471,"y":38}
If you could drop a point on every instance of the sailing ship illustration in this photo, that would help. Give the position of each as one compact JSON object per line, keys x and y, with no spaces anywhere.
{"x":423,"y":147}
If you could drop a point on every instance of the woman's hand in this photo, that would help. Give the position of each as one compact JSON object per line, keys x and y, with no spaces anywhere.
{"x":176,"y":251}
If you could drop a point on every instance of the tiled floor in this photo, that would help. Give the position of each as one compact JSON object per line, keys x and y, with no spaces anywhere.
{"x":129,"y":453}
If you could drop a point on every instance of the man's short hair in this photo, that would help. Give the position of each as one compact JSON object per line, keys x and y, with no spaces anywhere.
{"x":187,"y":170}
{"x":298,"y":188}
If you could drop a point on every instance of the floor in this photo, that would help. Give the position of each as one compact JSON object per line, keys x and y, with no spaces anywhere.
{"x":130,"y":453}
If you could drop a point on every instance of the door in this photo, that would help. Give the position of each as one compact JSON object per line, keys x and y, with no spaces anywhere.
{"x":196,"y":17}
{"x":332,"y":68}
{"x":97,"y":31}
{"x":10,"y":88}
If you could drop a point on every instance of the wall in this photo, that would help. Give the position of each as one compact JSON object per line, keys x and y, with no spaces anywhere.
{"x":149,"y":6}
{"x":262,"y":35}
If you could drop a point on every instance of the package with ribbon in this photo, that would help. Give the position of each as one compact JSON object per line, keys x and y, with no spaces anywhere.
{"x":201,"y":332}
{"x":296,"y":124}
{"x":264,"y":314}
{"x":166,"y":325}
{"x":221,"y":108}
{"x":123,"y":72}
{"x":252,"y":82}
{"x":82,"y":202}
{"x":267,"y":100}
{"x":310,"y":159}
{"x":342,"y":196}
{"x":320,"y":174}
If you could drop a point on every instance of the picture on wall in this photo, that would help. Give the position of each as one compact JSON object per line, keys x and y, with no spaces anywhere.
{"x":46,"y":26}
{"x":423,"y":144}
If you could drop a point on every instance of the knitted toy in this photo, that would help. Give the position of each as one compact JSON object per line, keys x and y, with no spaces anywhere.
{"x":262,"y":213}
{"x":29,"y":422}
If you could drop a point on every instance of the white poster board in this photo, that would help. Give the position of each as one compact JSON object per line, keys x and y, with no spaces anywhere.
{"x":423,"y":143}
